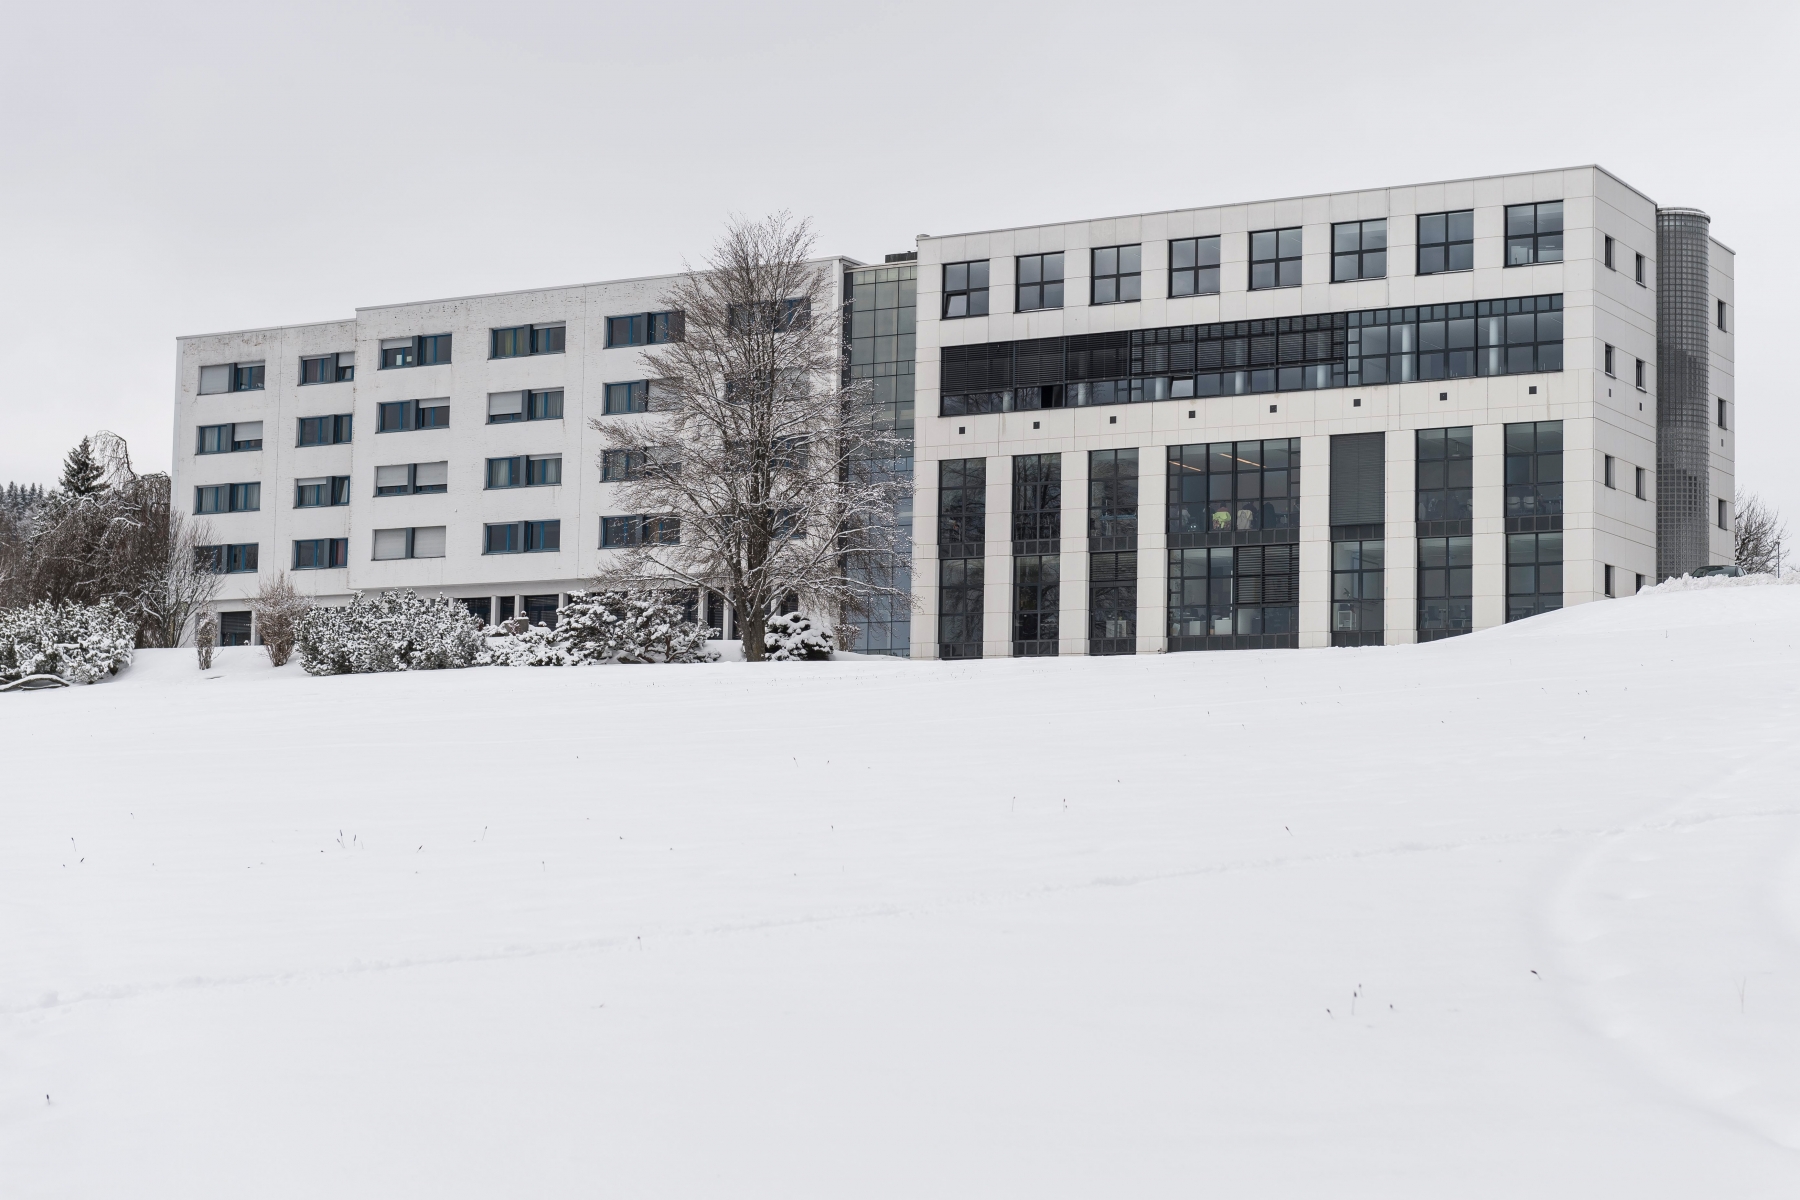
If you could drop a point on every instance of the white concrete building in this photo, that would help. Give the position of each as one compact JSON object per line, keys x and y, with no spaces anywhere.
{"x":1351,"y":418}
{"x":441,"y":445}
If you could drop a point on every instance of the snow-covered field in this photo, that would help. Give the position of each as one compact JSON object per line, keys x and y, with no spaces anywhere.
{"x":1513,"y":915}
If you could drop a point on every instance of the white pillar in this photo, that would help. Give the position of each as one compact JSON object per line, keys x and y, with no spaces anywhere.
{"x":1073,"y":619}
{"x":1315,"y":541}
{"x":1153,"y":550}
{"x":1489,"y":545}
{"x":997,"y":585}
{"x":1400,"y":576}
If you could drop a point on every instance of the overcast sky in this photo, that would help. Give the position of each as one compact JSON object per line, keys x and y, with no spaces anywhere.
{"x":185,"y":168}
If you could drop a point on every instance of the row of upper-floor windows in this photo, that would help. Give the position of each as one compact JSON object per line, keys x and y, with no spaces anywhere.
{"x":431,"y":541}
{"x":1359,"y":250}
{"x":517,"y":341}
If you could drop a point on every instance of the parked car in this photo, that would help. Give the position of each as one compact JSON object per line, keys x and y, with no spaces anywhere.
{"x":1724,"y":569}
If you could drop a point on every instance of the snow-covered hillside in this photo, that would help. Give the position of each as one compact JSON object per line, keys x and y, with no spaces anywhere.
{"x":1512,"y":915}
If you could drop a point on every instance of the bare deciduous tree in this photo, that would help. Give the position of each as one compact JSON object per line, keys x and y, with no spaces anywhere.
{"x":775,"y":474}
{"x":278,"y":606}
{"x":1760,"y":532}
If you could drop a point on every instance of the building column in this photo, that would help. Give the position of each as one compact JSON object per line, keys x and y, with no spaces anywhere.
{"x":1400,"y":545}
{"x":997,"y":583}
{"x":1153,"y":551}
{"x":1315,"y":541}
{"x":1488,"y":546}
{"x":925,"y":560}
{"x":1073,"y":556}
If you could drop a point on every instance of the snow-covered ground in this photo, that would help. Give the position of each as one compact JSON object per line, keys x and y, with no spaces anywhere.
{"x":1512,"y":915}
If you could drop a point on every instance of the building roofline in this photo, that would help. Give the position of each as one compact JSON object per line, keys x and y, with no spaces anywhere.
{"x":190,"y":337}
{"x":924,"y":237}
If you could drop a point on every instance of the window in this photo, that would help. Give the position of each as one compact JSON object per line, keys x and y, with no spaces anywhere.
{"x":527,"y":537}
{"x":1534,"y":233}
{"x":323,"y":431}
{"x":1609,"y":579}
{"x":883,"y":320}
{"x":1037,"y":502}
{"x":1225,"y":487}
{"x":1640,"y":270}
{"x":430,"y":350}
{"x":228,"y":560}
{"x":321,"y":554}
{"x":1444,"y":481}
{"x":234,"y":628}
{"x":1113,"y":499}
{"x":1640,"y":585}
{"x":322,"y":492}
{"x":1534,"y":473}
{"x":1040,"y":281}
{"x":1112,"y":603}
{"x":541,"y":610}
{"x":1642,"y":375}
{"x":1233,"y":592}
{"x":425,"y":541}
{"x":1609,"y":254}
{"x":226,"y":439}
{"x":960,"y":600}
{"x":1609,"y":474}
{"x":228,"y":497}
{"x":504,"y":407}
{"x":1194,"y":266}
{"x":631,"y":397}
{"x":965,"y":289}
{"x":1447,"y":242}
{"x":407,"y":479}
{"x":617,"y":465}
{"x":618,"y":533}
{"x":1642,"y":484}
{"x":1356,"y":586}
{"x":1446,"y":587}
{"x":1358,"y":250}
{"x":526,"y":470}
{"x":1724,"y":515}
{"x":1609,"y":360}
{"x":1274,"y":259}
{"x":644,"y":329}
{"x":962,"y":507}
{"x":1037,"y":591}
{"x":328,"y":368}
{"x":1118,"y":274}
{"x":231,"y":377}
{"x":1721,"y":318}
{"x":398,"y":416}
{"x":522,"y":340}
{"x":1534,"y":567}
{"x":1722,"y":424}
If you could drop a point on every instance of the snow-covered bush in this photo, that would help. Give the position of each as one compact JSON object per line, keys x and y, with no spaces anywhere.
{"x":794,"y":638}
{"x":395,"y":631}
{"x":78,"y":643}
{"x":206,"y":638}
{"x":607,"y":627}
{"x":1707,"y":583}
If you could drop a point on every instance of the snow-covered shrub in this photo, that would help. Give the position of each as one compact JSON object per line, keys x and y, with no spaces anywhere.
{"x":279,"y":607}
{"x":607,"y":627}
{"x":794,"y":638}
{"x":78,"y":643}
{"x":395,"y":631}
{"x":1707,"y":583}
{"x":206,"y":638}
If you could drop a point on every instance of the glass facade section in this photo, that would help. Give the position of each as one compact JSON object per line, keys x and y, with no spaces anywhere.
{"x":1356,"y":590}
{"x":1234,"y":597}
{"x":1112,"y":603}
{"x":1444,"y":479}
{"x":1221,"y":488}
{"x":1534,"y":476}
{"x":1359,"y":250}
{"x":960,"y":600}
{"x":1446,"y":587}
{"x":1275,"y":258}
{"x":1037,"y":592}
{"x":879,"y":335}
{"x":1534,"y":567}
{"x":1446,"y":242}
{"x":1534,"y":233}
{"x":1194,"y":266}
{"x":1037,"y":503}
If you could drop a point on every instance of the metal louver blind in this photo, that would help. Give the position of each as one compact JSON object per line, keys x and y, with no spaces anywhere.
{"x":1358,"y":479}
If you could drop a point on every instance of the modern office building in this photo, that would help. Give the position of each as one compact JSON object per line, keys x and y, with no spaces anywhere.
{"x":1357,"y":418}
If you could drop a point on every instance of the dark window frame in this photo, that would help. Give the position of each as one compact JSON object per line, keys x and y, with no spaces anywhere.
{"x":336,"y":554}
{"x":1444,"y":473}
{"x":521,"y":467}
{"x":1041,"y":283}
{"x":336,"y":491}
{"x":1193,"y":265}
{"x":1446,"y":242}
{"x":1352,"y":258}
{"x":625,"y":531}
{"x":966,"y":289}
{"x":426,"y":350}
{"x":338,"y":425}
{"x":645,"y":328}
{"x":635,"y":397}
{"x":1117,"y":271}
{"x":335,"y":367}
{"x":536,"y":340}
{"x":412,"y":486}
{"x":1528,"y":241}
{"x":1277,"y":253}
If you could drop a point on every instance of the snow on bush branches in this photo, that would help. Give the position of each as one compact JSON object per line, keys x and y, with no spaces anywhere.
{"x":395,"y":631}
{"x":77,"y":643}
{"x":794,"y":638}
{"x":607,"y":627}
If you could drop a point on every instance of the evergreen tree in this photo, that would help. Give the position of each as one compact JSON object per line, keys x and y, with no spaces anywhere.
{"x":82,"y":475}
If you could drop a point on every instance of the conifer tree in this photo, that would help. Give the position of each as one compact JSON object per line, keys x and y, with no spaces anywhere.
{"x":82,"y":474}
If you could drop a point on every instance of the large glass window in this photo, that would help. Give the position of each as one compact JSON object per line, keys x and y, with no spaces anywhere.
{"x":644,"y":329}
{"x":631,"y":397}
{"x":1359,"y":250}
{"x":516,"y":537}
{"x":525,"y":470}
{"x":965,"y":289}
{"x":1118,"y":274}
{"x":1037,"y":501}
{"x":1445,"y":474}
{"x":1534,"y":233}
{"x":1225,"y":487}
{"x":1036,"y":603}
{"x":1040,"y":281}
{"x":618,"y":533}
{"x":881,"y":330}
{"x":1356,"y":588}
{"x":1112,"y":603}
{"x":1113,"y":498}
{"x":1194,"y":266}
{"x":1446,"y":586}
{"x":324,"y":431}
{"x":1455,"y":341}
{"x":1275,"y":258}
{"x":962,"y":504}
{"x":1534,"y":567}
{"x":1446,"y":242}
{"x":322,"y":492}
{"x":522,"y":340}
{"x":1534,"y":473}
{"x":432,"y":349}
{"x":328,"y":368}
{"x":1233,"y":592}
{"x":239,"y":559}
{"x":321,"y":554}
{"x":960,"y":600}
